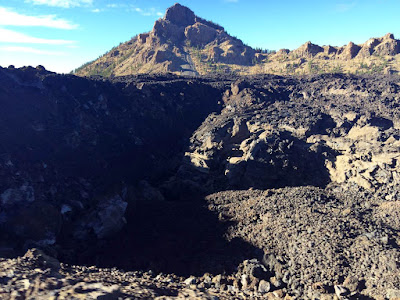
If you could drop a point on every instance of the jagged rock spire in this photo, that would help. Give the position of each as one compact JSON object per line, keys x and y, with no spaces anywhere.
{"x":180,"y":15}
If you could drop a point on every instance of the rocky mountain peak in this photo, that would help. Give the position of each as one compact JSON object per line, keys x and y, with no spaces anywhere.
{"x":180,"y":15}
{"x":388,"y":36}
{"x":180,"y":42}
{"x":308,"y":49}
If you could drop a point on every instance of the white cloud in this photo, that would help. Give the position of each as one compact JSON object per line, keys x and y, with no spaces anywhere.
{"x":11,"y":36}
{"x":147,"y":12}
{"x":31,"y":50}
{"x":11,"y":18}
{"x":152,"y":11}
{"x":96,"y":10}
{"x":62,"y":3}
{"x":115,"y":5}
{"x":344,"y":7}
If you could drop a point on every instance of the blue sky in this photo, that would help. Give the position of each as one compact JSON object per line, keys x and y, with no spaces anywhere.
{"x":63,"y":34}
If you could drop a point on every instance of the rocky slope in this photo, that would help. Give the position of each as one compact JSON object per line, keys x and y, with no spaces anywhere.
{"x":259,"y":187}
{"x":289,"y":137}
{"x":185,"y":44}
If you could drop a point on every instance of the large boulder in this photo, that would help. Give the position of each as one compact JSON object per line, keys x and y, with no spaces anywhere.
{"x":106,"y":219}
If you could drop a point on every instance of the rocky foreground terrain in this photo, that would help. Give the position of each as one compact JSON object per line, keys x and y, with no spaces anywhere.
{"x":168,"y":187}
{"x":185,"y":44}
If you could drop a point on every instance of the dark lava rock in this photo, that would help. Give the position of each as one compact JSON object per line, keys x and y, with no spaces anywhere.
{"x":72,"y":148}
{"x":193,"y":176}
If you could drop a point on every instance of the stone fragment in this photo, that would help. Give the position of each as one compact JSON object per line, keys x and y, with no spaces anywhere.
{"x":23,"y":284}
{"x":41,"y":259}
{"x":106,"y":219}
{"x":277,"y":283}
{"x":351,"y":283}
{"x":254,"y":268}
{"x":217,"y":280}
{"x":264,"y":287}
{"x":286,"y":277}
{"x":320,"y":287}
{"x":230,"y":288}
{"x":190,"y":280}
{"x":245,"y":280}
{"x":393,"y":294}
{"x":341,"y":291}
{"x":279,"y":293}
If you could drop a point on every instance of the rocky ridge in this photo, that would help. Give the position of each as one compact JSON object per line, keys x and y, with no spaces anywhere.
{"x":377,"y":55}
{"x":386,"y":45}
{"x":185,"y":44}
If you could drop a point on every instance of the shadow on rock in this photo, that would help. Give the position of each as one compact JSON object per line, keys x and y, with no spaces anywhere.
{"x":270,"y":160}
{"x":184,"y":238}
{"x":278,"y":161}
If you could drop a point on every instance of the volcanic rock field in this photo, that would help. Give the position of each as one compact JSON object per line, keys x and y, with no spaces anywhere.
{"x":226,"y":187}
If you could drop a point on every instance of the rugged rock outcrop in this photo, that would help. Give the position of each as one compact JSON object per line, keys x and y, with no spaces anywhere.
{"x":367,"y":49}
{"x":200,"y":34}
{"x":180,"y":15}
{"x":171,"y":47}
{"x":386,"y":45}
{"x":308,"y":50}
{"x":350,"y":51}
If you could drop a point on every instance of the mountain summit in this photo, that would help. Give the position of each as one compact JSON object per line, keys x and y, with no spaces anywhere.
{"x":180,"y":42}
{"x":185,"y":44}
